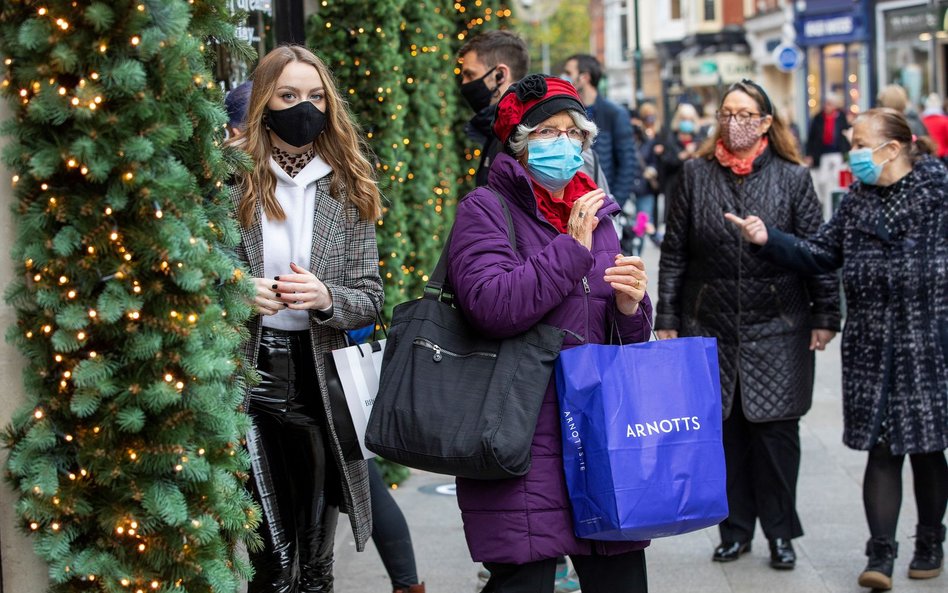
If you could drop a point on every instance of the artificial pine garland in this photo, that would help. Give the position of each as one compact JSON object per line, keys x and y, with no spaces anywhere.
{"x":130,"y":306}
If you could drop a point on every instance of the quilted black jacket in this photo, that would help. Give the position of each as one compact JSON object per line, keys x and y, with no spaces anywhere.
{"x":761,"y":314}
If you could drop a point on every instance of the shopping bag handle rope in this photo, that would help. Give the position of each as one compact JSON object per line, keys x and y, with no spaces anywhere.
{"x":615,"y":323}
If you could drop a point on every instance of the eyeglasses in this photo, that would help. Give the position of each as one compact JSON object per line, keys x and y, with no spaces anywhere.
{"x":742,"y":116}
{"x":574,"y":134}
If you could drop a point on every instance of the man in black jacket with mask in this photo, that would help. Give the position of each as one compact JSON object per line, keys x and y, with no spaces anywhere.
{"x":490,"y":63}
{"x":615,"y":143}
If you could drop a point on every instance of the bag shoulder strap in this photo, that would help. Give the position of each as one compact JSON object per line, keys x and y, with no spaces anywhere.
{"x":437,"y":284}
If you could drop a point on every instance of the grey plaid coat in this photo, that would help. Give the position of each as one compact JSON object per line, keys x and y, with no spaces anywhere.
{"x":345,"y":257}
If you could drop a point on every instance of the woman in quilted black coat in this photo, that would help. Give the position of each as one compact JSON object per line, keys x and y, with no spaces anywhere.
{"x":890,"y":236}
{"x":767,"y":320}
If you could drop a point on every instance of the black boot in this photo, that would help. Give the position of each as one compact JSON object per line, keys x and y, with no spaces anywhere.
{"x":882,"y":552}
{"x":929,"y":555}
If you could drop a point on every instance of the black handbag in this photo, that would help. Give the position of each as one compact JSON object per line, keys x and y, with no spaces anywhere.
{"x":453,"y":401}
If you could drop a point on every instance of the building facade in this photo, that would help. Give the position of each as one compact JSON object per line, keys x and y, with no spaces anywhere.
{"x":912,"y":46}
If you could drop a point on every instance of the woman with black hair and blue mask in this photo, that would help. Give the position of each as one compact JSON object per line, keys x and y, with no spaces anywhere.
{"x":890,"y":237}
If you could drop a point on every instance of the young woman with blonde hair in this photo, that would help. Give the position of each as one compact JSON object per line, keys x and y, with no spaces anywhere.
{"x":307,"y":213}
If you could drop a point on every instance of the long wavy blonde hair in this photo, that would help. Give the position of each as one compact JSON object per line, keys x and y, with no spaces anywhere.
{"x":341,"y":144}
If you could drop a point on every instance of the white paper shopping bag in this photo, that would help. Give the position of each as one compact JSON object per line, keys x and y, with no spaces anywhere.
{"x":352,"y":377}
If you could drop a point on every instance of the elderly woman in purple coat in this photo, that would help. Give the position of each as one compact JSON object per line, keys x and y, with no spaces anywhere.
{"x":568,"y":272}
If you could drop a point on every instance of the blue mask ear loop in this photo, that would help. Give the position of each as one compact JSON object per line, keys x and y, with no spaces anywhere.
{"x":886,"y":143}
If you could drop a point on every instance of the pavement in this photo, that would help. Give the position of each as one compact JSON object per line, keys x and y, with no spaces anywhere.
{"x":829,"y":556}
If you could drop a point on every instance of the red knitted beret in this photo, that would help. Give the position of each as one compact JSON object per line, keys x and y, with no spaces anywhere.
{"x":532,"y":100}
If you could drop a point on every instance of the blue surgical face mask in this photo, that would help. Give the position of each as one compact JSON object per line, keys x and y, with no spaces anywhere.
{"x":863,"y":167}
{"x":686,"y":126}
{"x":553,"y":163}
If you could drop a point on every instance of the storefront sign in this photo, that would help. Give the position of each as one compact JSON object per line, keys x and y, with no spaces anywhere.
{"x":722,"y":68}
{"x":910,"y":22}
{"x":247,"y":31}
{"x":848,"y":27}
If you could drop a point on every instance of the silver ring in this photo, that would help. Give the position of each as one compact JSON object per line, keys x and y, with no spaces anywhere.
{"x":581,"y":214}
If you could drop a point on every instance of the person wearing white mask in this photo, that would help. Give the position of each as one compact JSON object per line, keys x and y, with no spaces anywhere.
{"x":890,"y":237}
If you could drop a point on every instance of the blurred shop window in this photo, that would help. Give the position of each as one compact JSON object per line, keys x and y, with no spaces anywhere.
{"x":256,"y":30}
{"x":709,"y":9}
{"x":676,"y":9}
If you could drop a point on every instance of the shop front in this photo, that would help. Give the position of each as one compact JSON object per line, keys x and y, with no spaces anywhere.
{"x":777,"y":59}
{"x":699,"y":68}
{"x":912,"y":39}
{"x":267,"y":23}
{"x":835,"y":36}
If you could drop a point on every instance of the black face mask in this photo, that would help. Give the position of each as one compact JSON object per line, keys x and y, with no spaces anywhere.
{"x":297,"y":126}
{"x":477,"y":94}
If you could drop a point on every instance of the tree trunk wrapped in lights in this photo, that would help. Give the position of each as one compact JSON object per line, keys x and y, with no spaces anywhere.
{"x":127,"y":458}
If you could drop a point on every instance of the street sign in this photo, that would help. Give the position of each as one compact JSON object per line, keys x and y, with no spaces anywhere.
{"x":787,"y":57}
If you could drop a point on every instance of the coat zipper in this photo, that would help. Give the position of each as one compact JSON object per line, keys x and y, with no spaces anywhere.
{"x":439,"y":352}
{"x":586,"y":304}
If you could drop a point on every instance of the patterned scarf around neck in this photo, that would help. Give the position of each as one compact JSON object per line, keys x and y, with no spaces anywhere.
{"x":291,"y":163}
{"x":735,"y":163}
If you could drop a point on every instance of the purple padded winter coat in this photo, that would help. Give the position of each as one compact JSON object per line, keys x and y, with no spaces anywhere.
{"x":560,"y":283}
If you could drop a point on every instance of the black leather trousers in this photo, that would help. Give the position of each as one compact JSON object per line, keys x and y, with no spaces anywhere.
{"x":293,"y":470}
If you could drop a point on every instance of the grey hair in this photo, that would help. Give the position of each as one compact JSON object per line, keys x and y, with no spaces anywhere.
{"x":520,"y":137}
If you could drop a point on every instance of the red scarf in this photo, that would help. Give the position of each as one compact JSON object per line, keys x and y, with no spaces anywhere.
{"x":557,"y":211}
{"x":829,"y":127}
{"x":735,"y":163}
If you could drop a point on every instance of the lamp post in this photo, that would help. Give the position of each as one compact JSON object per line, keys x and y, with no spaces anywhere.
{"x":637,"y":56}
{"x":538,"y":12}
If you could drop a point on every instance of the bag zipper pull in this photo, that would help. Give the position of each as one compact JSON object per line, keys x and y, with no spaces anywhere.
{"x":437,"y":353}
{"x":585,"y":285}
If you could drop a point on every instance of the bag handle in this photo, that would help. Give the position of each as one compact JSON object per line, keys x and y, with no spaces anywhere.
{"x":438,"y":286}
{"x":615,"y":323}
{"x":379,"y":323}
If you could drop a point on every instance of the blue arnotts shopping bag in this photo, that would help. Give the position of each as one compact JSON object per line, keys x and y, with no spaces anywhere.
{"x":642,"y":447}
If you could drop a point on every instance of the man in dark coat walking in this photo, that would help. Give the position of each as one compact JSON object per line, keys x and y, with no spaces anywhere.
{"x":615,"y":144}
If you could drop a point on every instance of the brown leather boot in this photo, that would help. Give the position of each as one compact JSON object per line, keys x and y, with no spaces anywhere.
{"x":419,"y":588}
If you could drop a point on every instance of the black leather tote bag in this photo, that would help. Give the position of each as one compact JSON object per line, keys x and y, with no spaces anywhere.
{"x":453,"y":401}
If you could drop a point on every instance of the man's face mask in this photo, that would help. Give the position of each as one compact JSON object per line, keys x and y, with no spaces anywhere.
{"x":477,"y":94}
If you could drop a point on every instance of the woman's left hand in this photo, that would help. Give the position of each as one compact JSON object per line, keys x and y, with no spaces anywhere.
{"x":302,"y":290}
{"x":819,"y":338}
{"x":629,"y":281}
